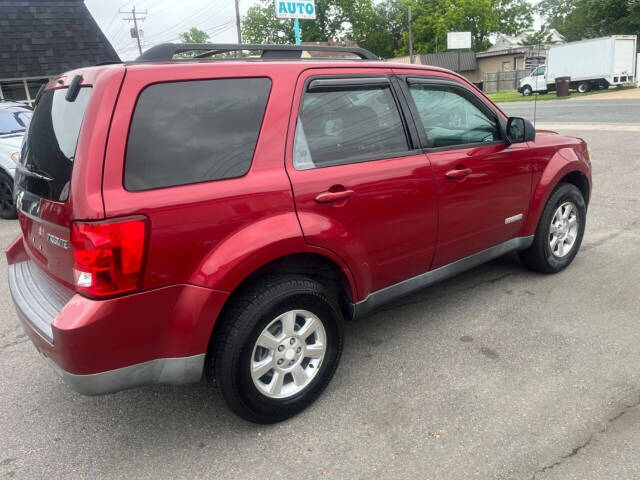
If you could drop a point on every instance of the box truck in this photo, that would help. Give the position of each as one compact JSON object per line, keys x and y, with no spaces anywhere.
{"x":591,"y":64}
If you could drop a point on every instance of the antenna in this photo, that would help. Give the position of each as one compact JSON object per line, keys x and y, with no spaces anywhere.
{"x":535,"y":93}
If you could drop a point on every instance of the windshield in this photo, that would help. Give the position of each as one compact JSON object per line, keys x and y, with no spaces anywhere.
{"x":14,"y":120}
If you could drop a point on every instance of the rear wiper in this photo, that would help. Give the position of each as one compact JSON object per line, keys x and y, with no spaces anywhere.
{"x":31,"y":173}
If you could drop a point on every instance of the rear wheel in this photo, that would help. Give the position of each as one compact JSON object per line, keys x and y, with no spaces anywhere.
{"x":583,"y":87}
{"x":277,"y":347}
{"x":560,"y":231}
{"x":7,"y":206}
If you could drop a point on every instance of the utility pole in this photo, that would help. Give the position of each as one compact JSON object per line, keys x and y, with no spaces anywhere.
{"x":135,"y":17}
{"x":410,"y":38}
{"x":238,"y":26}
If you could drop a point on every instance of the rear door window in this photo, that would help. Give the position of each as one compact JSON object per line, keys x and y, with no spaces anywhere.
{"x":348,"y":124}
{"x":49,"y":146}
{"x":195,"y":131}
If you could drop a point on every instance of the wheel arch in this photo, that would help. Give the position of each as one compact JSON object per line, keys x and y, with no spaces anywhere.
{"x":311,"y":264}
{"x":565,"y":166}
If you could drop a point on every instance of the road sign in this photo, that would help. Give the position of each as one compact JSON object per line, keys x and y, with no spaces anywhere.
{"x":458,"y":40}
{"x":301,"y":9}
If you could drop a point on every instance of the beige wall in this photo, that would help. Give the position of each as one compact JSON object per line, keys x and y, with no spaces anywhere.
{"x":495,"y":64}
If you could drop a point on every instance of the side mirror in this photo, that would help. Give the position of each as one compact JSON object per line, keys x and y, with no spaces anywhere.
{"x":520,"y":130}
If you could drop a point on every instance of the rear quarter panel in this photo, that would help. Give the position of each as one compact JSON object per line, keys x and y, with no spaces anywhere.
{"x":212,"y":234}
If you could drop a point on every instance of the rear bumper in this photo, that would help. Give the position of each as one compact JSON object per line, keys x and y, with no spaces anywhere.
{"x":175,"y":371}
{"x":99,"y":347}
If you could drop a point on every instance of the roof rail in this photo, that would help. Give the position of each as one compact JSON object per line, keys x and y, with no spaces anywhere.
{"x":166,"y":51}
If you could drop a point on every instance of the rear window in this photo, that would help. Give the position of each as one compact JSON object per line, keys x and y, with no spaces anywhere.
{"x":196,"y":131}
{"x":49,"y":146}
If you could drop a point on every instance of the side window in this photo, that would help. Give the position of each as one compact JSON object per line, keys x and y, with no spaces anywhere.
{"x":194,"y":131}
{"x":346,"y":125}
{"x":449,"y":118}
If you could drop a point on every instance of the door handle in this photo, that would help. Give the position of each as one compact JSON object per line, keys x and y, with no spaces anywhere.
{"x":331,"y":197}
{"x":458,"y":173}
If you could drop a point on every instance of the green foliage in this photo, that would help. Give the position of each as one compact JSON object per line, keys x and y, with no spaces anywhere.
{"x":194,"y":35}
{"x":261,"y":26}
{"x":578,"y":19}
{"x":483,"y":18}
{"x":379,"y":28}
{"x":382,"y":26}
{"x":540,"y":37}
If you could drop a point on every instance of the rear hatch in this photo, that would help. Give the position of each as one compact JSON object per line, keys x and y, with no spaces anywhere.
{"x":63,"y":139}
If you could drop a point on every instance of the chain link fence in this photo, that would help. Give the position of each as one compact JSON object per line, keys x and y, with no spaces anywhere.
{"x":503,"y":81}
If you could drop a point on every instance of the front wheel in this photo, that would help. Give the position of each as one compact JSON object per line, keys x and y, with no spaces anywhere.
{"x":560,"y":231}
{"x":7,"y":206}
{"x":527,"y":91}
{"x":277,"y":347}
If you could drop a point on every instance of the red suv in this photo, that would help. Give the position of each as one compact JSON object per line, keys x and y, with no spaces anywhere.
{"x":221,"y":216}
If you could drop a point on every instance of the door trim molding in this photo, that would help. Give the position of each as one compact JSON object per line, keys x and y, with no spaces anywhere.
{"x":392,"y":292}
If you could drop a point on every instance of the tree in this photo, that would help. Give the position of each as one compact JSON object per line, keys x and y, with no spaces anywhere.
{"x":578,"y":19}
{"x":379,"y":28}
{"x":261,"y":26}
{"x":375,"y":26}
{"x":540,"y":37}
{"x":483,"y":18}
{"x":194,"y":35}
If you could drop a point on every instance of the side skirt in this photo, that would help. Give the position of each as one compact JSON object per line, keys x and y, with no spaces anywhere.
{"x":411,"y":285}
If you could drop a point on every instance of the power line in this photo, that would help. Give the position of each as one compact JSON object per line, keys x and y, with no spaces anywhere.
{"x":135,"y":32}
{"x":192,"y":20}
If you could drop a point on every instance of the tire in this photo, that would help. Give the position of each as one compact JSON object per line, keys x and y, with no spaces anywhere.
{"x":583,"y":87}
{"x":235,"y":351}
{"x":540,"y":256}
{"x":527,"y":91}
{"x":7,"y":206}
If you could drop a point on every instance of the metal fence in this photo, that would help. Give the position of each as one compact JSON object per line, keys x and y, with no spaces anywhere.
{"x":503,"y":81}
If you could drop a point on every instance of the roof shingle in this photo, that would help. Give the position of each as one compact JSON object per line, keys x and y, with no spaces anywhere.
{"x":43,"y":38}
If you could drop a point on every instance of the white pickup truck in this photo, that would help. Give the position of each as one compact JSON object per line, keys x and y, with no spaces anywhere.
{"x":591,"y":64}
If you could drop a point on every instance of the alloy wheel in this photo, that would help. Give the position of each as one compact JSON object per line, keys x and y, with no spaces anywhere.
{"x":288,"y":354}
{"x":564,"y":229}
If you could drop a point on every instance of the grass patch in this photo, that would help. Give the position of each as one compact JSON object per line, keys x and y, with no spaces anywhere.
{"x":514,"y":96}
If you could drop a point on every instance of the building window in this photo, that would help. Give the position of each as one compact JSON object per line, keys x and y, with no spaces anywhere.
{"x":23,"y":91}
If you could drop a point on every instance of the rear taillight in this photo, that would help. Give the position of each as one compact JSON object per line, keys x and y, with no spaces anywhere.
{"x":109,"y":256}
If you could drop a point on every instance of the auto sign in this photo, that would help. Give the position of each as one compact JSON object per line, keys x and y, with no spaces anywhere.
{"x":305,"y":9}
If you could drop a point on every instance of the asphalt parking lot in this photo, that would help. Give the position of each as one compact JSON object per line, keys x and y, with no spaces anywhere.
{"x":499,"y":373}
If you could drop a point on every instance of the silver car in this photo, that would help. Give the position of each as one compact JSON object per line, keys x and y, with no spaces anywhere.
{"x":14,"y":120}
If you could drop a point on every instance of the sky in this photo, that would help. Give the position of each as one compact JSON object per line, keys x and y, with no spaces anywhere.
{"x":165,"y":20}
